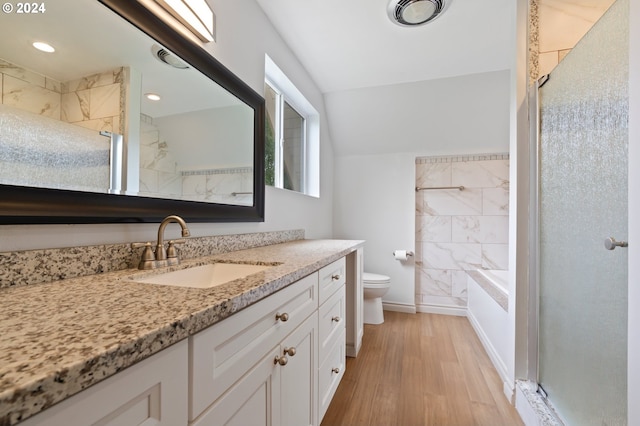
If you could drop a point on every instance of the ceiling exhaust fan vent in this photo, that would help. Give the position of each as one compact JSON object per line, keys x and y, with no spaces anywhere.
{"x":414,"y":12}
{"x":167,"y":57}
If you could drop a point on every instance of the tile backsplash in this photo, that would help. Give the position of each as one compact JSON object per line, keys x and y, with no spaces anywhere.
{"x":40,"y":266}
{"x":458,"y":230}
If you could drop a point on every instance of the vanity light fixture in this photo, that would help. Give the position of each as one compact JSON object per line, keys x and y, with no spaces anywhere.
{"x":152,"y":96}
{"x":414,"y":12}
{"x":43,"y":47}
{"x":196,"y":15}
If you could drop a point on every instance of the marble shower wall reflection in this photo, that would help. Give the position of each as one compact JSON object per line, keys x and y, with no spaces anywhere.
{"x":50,"y":129}
{"x":162,"y":175}
{"x":94,"y":102}
{"x":457,"y":230}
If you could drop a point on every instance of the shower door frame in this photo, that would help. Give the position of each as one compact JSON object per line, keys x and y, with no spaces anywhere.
{"x":526,"y":359}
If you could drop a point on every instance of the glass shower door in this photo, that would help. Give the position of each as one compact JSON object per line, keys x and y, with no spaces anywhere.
{"x":583,"y":201}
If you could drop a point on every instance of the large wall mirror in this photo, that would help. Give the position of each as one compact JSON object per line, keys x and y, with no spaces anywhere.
{"x":83,"y":141}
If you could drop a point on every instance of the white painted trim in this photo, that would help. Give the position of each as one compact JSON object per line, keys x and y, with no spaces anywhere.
{"x":442,"y":310}
{"x":399,"y":307}
{"x":498,"y":363}
{"x":354,"y":348}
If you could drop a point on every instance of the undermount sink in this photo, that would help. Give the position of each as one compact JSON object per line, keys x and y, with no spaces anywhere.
{"x":204,"y":276}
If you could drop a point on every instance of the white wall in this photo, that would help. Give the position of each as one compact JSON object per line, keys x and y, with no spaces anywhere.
{"x":244,"y":35}
{"x":375,"y":165}
{"x":374,"y":201}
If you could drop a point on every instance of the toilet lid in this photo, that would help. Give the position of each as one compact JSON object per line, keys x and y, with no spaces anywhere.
{"x":368,"y":277}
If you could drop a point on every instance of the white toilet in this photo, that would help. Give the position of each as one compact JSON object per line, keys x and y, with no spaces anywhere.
{"x":375,"y":286}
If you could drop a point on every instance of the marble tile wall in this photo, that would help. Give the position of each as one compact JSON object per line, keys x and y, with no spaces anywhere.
{"x":556,"y":26}
{"x":93,"y":102}
{"x":40,"y":266}
{"x":29,"y":91}
{"x":457,"y":230}
{"x":159,"y":173}
{"x":225,"y":185}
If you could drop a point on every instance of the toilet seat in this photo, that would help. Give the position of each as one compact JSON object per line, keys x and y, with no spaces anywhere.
{"x":369,"y":278}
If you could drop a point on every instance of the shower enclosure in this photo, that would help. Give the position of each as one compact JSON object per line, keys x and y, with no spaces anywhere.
{"x":582,"y":157}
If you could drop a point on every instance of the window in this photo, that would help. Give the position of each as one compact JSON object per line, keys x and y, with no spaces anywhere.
{"x":291,"y":151}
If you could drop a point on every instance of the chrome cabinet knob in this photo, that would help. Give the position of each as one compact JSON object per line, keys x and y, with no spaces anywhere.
{"x":282,"y":360}
{"x":335,"y":370}
{"x":284,"y":317}
{"x":290,"y":351}
{"x":335,"y":277}
{"x":611,"y":243}
{"x":335,"y":319}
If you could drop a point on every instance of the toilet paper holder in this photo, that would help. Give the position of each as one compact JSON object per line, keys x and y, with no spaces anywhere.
{"x":402,"y":254}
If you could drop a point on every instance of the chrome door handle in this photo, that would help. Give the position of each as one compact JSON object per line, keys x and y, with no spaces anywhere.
{"x":611,"y":243}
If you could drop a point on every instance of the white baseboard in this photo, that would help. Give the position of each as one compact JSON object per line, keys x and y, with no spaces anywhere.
{"x":498,"y":363}
{"x":353,"y":349}
{"x":399,"y":307}
{"x":442,"y":310}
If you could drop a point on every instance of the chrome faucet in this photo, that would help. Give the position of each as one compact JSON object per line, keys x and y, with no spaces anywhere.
{"x":162,"y":257}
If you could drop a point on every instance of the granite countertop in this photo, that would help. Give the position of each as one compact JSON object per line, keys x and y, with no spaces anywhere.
{"x":61,"y":337}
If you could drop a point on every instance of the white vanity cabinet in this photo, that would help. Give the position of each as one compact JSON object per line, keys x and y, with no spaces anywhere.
{"x":153,"y":392}
{"x":260,"y":365}
{"x":331,"y":331}
{"x":277,"y":362}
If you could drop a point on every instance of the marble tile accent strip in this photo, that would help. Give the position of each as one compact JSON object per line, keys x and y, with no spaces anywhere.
{"x":230,"y":170}
{"x":488,"y":286}
{"x":459,"y":158}
{"x":39,"y":266}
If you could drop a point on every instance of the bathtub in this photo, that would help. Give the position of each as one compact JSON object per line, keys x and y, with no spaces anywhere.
{"x":487,"y":310}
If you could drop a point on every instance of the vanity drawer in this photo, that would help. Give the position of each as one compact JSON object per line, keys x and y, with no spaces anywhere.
{"x":332,"y":277}
{"x":331,"y":321}
{"x":330,"y":373}
{"x":222,"y":353}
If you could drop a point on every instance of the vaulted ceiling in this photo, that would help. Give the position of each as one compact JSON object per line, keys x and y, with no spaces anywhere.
{"x":353,"y":44}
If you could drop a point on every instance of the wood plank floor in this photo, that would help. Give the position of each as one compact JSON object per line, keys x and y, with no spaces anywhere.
{"x":420,"y":369}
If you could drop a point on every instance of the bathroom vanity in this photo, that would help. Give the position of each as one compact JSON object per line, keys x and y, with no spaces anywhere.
{"x":265,"y":349}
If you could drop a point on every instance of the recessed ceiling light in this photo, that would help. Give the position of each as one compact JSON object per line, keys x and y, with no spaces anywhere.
{"x":152,"y":96}
{"x":44,"y":47}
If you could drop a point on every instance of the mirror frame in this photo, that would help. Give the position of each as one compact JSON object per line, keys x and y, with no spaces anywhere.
{"x":32,"y":205}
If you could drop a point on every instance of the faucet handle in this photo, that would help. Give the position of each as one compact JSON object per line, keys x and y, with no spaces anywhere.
{"x":172,"y":251}
{"x":148,"y":256}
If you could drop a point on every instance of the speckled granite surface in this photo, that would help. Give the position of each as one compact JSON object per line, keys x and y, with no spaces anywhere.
{"x":39,"y":266}
{"x":61,"y":337}
{"x":545,"y":415}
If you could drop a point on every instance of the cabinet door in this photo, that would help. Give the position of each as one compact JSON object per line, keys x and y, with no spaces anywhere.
{"x":299,"y":376}
{"x":222,"y":354}
{"x":150,"y":393}
{"x":253,"y":401}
